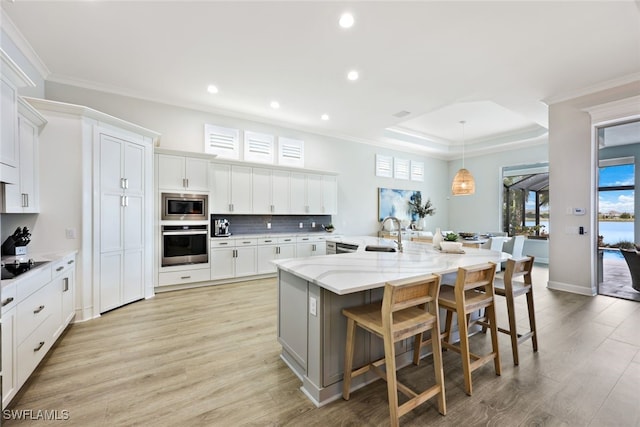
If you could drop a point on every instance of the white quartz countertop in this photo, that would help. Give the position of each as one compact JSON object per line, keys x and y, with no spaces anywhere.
{"x":49,"y":257}
{"x":361,"y":270}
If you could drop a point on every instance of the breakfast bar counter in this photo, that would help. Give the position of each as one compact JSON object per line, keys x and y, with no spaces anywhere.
{"x":312,"y":292}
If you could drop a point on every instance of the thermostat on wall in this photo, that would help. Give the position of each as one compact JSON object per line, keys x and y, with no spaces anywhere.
{"x":579,"y":211}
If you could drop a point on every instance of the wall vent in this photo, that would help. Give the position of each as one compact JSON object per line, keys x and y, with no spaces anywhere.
{"x":224,"y":142}
{"x":258,"y":147}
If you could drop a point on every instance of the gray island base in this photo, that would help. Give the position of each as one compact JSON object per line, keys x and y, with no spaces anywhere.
{"x":313,"y":291}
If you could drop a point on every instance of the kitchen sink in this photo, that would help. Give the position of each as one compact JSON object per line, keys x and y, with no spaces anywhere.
{"x":376,"y":248}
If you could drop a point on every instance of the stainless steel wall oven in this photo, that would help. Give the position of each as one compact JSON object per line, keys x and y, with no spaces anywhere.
{"x":185,"y":244}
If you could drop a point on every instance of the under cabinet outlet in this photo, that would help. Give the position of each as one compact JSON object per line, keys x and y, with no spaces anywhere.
{"x":70,"y":233}
{"x":313,"y":225}
{"x":301,"y":225}
{"x":313,"y":309}
{"x":268,"y":226}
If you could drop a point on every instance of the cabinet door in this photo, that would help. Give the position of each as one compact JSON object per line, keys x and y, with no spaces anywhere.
{"x":280,"y":191}
{"x":319,"y":248}
{"x":9,"y":151}
{"x":111,"y":265}
{"x":222,"y":263}
{"x":298,"y":193}
{"x":330,"y":195}
{"x":304,"y":249}
{"x":23,"y":197}
{"x":220,"y":199}
{"x":171,"y":172}
{"x":266,"y":254}
{"x":287,"y":251}
{"x":314,"y":194}
{"x":241,"y":190}
{"x":261,"y":191}
{"x":133,"y":276}
{"x":246,"y":262}
{"x":111,"y":194}
{"x":197,"y":174}
{"x":68,"y":292}
{"x":9,"y":346}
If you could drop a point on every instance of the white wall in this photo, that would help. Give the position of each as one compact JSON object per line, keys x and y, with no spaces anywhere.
{"x":183,"y":129}
{"x":481,"y":212}
{"x":572,"y":166}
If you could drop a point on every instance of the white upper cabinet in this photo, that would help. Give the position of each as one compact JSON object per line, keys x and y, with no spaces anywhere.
{"x":271,"y":188}
{"x":182,"y":173}
{"x":231,"y":189}
{"x":23,"y":196}
{"x":11,"y":78}
{"x":313,"y":194}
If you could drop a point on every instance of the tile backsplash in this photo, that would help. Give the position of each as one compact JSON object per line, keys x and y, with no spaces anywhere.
{"x":258,"y":224}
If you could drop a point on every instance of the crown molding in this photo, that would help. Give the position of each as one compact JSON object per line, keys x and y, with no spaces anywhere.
{"x":23,"y":45}
{"x":609,"y":84}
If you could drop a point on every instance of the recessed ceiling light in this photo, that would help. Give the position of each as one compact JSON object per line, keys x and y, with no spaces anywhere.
{"x":353,"y":75}
{"x":212,"y":89}
{"x":324,"y":117}
{"x":275,"y":105}
{"x":346,"y":20}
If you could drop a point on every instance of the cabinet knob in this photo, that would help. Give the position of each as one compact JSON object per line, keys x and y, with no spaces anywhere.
{"x":38,"y":310}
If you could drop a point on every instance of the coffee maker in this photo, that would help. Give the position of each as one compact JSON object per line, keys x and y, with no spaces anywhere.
{"x":221,"y":227}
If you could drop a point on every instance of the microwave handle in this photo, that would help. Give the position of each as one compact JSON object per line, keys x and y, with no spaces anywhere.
{"x":183,"y":232}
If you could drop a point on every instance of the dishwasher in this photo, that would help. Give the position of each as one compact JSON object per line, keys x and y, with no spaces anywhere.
{"x":345,"y":248}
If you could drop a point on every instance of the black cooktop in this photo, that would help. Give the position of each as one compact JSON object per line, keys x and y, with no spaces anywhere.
{"x":11,"y":270}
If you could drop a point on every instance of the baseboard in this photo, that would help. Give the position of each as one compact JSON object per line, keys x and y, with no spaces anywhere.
{"x":568,"y":287}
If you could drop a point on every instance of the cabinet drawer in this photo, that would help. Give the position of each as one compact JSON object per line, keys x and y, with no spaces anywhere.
{"x":267,"y":240}
{"x":36,"y":279}
{"x":34,"y":348}
{"x":31,"y":312}
{"x":310,"y":239}
{"x":59,"y":267}
{"x":9,"y":297}
{"x":246,"y":242}
{"x":223,"y":243}
{"x":187,"y":276}
{"x":286,"y":239}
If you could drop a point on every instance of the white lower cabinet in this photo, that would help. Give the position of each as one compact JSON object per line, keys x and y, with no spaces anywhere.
{"x":35,"y":311}
{"x":232,"y":258}
{"x":310,"y":246}
{"x":185,"y":276}
{"x":272,"y":248}
{"x":9,"y":348}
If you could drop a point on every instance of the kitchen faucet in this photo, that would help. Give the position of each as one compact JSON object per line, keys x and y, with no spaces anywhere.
{"x":397,"y":221}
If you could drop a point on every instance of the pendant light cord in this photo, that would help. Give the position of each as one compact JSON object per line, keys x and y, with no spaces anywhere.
{"x":462,"y":122}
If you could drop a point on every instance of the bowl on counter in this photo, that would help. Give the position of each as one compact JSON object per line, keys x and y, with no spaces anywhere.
{"x":451,"y":246}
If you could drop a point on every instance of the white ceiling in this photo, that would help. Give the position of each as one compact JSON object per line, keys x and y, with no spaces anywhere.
{"x":491,"y":64}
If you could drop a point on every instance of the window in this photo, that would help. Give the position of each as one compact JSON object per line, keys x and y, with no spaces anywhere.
{"x":616,"y":206}
{"x":525,"y":201}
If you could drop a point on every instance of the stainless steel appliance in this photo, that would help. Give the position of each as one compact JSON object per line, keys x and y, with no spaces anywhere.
{"x":221,"y":228}
{"x":12,"y":269}
{"x":193,"y":207}
{"x":185,"y":244}
{"x":345,"y":248}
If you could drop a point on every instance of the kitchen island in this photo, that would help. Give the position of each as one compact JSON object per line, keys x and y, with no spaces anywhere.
{"x":312,"y":292}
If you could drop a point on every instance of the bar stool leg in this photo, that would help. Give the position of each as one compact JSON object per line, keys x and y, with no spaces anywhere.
{"x":348,"y":358}
{"x":532,"y":320}
{"x":513,"y":332}
{"x":392,"y":387}
{"x":463,"y":330}
{"x":491,"y":314}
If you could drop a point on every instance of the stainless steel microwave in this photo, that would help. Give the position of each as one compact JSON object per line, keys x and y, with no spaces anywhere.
{"x":192,"y":207}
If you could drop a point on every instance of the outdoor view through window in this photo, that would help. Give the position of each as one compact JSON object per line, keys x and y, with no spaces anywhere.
{"x":616,"y":206}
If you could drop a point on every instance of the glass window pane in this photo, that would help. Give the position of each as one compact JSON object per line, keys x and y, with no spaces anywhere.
{"x":611,"y":176}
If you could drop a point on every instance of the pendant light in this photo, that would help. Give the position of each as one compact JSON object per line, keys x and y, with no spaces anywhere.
{"x":463,"y":183}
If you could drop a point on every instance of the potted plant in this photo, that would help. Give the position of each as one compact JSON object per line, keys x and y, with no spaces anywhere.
{"x":416,"y":207}
{"x":450,"y":243}
{"x":328,"y":228}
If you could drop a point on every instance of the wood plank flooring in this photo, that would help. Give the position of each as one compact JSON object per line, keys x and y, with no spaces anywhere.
{"x":209,"y":357}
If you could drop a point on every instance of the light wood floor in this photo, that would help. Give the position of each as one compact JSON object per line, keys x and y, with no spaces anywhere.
{"x":209,"y":357}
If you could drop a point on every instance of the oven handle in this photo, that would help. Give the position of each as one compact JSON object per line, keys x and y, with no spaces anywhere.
{"x":182,"y":233}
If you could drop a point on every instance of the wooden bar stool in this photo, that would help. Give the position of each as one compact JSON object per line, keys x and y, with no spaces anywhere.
{"x":510,"y":290}
{"x":409,"y":307}
{"x":473,"y":291}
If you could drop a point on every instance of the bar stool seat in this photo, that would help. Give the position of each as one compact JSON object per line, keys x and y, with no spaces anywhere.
{"x":473,"y":291}
{"x":409,"y":307}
